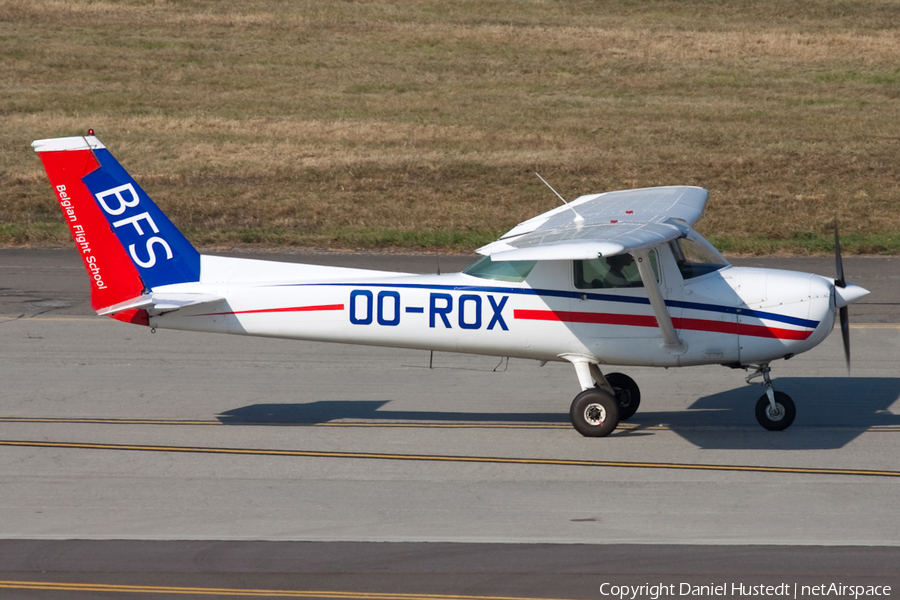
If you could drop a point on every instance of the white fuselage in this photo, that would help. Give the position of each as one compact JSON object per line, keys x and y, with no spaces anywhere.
{"x":733,"y":315}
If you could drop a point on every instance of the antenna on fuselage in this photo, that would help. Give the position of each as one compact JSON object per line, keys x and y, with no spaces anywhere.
{"x":577,"y":216}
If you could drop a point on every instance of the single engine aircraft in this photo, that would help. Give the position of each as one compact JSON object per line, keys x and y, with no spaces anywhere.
{"x":610,"y":279}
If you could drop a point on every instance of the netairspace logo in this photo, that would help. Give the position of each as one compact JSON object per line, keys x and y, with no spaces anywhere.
{"x":737,"y":590}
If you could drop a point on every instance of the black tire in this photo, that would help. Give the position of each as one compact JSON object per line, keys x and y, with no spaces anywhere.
{"x":628,"y":394}
{"x":779,"y":420}
{"x":594,"y":413}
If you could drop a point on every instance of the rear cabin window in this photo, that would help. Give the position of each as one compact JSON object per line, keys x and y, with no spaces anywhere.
{"x":502,"y":270}
{"x":619,"y":271}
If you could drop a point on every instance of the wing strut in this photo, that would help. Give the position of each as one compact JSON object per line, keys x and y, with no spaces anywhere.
{"x":671,"y":343}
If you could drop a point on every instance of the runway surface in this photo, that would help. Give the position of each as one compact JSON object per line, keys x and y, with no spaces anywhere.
{"x":228,"y":463}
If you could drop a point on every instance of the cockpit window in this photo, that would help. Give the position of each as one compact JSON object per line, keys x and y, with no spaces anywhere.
{"x":619,"y":271}
{"x":695,"y":256}
{"x":501,"y":270}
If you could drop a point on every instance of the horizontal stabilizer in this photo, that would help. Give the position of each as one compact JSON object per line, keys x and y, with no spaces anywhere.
{"x":161,"y":302}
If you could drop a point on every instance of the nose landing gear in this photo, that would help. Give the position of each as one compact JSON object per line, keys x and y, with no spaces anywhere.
{"x":774,"y":410}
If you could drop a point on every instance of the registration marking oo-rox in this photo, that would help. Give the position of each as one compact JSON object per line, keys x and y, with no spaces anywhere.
{"x":473,"y":311}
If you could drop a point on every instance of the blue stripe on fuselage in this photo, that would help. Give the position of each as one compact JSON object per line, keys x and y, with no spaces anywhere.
{"x":731,"y":310}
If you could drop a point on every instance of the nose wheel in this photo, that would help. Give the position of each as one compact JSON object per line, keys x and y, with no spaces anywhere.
{"x":775,"y":411}
{"x":777,"y":415}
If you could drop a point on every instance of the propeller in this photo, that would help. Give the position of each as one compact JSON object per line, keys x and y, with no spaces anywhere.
{"x":840,"y":282}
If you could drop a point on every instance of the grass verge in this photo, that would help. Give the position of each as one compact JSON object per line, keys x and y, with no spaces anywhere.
{"x":420,"y":124}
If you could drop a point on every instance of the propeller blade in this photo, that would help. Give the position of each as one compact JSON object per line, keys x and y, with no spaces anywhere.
{"x":840,"y":282}
{"x":845,"y":333}
{"x":839,"y":264}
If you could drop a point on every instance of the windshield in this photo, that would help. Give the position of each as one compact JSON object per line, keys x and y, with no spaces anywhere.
{"x":695,"y":256}
{"x":501,"y":270}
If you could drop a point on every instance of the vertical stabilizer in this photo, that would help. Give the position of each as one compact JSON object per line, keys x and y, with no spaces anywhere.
{"x":126,"y":242}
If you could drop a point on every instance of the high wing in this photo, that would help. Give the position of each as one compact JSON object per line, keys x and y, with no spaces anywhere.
{"x":603,"y":225}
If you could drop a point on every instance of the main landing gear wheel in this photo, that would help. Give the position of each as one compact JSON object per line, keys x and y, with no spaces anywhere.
{"x":594,"y":413}
{"x":628,"y":394}
{"x":778,"y":417}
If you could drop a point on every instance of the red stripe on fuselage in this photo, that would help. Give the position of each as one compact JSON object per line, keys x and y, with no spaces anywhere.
{"x":772,"y":332}
{"x":585,"y":317}
{"x":650,"y":321}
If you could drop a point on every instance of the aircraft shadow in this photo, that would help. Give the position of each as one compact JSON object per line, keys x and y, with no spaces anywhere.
{"x":314,"y":413}
{"x":831,"y":412}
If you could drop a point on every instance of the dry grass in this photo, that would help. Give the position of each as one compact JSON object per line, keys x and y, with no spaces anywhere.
{"x":420,"y":123}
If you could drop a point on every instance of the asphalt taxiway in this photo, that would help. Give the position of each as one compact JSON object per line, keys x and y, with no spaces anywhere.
{"x":372,"y":463}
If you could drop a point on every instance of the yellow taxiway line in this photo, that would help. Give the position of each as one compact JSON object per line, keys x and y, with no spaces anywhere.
{"x":450,"y":458}
{"x":204,"y":591}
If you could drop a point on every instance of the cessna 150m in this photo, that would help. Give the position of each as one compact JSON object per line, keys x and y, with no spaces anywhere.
{"x":617,"y":278}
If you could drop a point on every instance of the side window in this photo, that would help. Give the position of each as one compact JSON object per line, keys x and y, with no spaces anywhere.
{"x":619,"y":271}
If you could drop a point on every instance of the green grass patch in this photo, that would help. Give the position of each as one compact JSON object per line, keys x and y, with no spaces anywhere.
{"x":420,"y":124}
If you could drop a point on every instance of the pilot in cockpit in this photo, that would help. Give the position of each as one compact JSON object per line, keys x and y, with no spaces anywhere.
{"x":619,"y":267}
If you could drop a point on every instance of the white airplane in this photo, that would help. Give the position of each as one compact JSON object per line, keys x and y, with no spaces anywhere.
{"x":617,"y":278}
